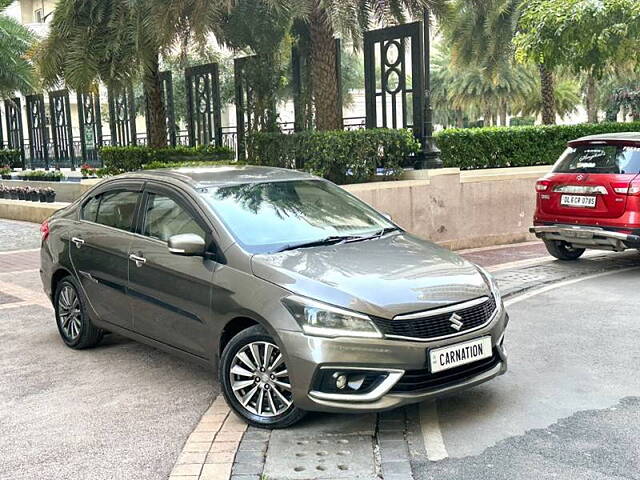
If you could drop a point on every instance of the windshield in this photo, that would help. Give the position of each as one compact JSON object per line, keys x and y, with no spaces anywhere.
{"x":615,"y":159}
{"x":267,"y":217}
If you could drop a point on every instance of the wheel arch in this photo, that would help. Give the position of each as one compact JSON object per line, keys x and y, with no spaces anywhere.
{"x":234,"y":327}
{"x":58,"y":275}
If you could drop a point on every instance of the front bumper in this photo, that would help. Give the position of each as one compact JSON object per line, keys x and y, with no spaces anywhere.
{"x":311,"y":354}
{"x":587,"y":236}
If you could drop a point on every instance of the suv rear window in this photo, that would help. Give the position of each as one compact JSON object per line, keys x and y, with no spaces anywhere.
{"x":617,"y":159}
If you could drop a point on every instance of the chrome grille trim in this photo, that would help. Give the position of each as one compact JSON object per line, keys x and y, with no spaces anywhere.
{"x":441,"y":310}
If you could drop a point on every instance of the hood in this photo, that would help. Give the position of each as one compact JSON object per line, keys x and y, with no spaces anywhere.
{"x":384,"y":277}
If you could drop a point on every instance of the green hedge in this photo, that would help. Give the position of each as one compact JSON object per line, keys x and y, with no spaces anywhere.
{"x":340,"y":156}
{"x":515,"y":146}
{"x":127,"y":159}
{"x":10,"y":158}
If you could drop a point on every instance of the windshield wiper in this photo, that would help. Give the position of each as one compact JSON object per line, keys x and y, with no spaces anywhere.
{"x":332,"y":240}
{"x":378,"y":234}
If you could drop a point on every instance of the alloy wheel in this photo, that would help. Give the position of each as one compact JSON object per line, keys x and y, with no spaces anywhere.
{"x":69,"y":313}
{"x":260,"y":379}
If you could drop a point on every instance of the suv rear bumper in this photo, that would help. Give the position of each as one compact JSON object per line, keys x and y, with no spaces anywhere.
{"x":587,"y":236}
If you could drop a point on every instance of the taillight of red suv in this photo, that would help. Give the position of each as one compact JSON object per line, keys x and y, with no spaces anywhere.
{"x":626,"y":188}
{"x":542,"y":185}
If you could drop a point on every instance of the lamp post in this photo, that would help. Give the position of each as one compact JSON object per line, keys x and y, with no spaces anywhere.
{"x":430,"y":155}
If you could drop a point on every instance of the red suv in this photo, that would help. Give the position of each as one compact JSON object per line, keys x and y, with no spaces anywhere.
{"x":591,"y":198}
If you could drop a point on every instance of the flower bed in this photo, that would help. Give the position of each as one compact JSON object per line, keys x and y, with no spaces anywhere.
{"x":45,"y":195}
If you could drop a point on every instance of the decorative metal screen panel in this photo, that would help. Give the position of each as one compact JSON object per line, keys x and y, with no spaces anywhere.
{"x":122,"y":116}
{"x":13,"y":115}
{"x":38,"y":132}
{"x":166,"y":81}
{"x":90,"y":126}
{"x":203,"y":104}
{"x":394,"y":77}
{"x":61,"y":130}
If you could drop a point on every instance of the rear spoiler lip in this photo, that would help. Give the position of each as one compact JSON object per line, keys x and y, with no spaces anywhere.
{"x":603,"y":141}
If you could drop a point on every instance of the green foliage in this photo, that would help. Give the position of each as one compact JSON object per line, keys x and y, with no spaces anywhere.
{"x":340,"y":156}
{"x":16,"y":71}
{"x":127,"y":159}
{"x":41,"y":175}
{"x":515,"y":146}
{"x":183,"y":164}
{"x":585,"y":35}
{"x":10,"y":158}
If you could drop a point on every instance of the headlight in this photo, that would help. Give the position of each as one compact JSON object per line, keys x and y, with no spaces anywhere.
{"x":492,"y":284}
{"x":320,"y":319}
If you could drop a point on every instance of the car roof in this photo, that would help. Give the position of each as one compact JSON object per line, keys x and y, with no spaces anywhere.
{"x":608,"y":137}
{"x":221,"y":175}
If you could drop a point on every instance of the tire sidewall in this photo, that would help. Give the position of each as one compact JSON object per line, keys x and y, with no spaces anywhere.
{"x":253,"y":334}
{"x":70,"y":281}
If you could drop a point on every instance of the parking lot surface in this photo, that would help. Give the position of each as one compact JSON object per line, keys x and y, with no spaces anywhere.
{"x":569,"y":406}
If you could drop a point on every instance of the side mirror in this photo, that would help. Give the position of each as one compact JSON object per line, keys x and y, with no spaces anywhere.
{"x":187,"y":244}
{"x":387,"y":216}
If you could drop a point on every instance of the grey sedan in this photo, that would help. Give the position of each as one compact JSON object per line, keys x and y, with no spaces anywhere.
{"x":299,"y":294}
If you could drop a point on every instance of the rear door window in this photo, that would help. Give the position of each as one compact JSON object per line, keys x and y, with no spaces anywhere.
{"x":611,"y":159}
{"x":117,"y":209}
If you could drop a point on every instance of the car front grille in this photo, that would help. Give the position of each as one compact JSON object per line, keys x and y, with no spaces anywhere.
{"x":423,"y":380}
{"x":439,"y":325}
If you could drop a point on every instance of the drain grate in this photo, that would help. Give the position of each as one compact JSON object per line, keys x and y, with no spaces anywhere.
{"x":320,"y":457}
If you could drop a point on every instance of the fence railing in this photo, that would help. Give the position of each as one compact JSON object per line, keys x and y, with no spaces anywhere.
{"x":229,"y":139}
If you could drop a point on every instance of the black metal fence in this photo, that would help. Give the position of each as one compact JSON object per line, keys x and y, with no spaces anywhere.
{"x":394,"y":92}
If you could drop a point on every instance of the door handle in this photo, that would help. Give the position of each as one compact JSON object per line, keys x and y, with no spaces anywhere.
{"x":139,"y":260}
{"x":77,"y":241}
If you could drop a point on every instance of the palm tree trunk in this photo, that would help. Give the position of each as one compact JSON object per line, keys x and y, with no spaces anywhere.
{"x":459,"y":118}
{"x":548,"y":95}
{"x":323,"y":70}
{"x":590,"y":99}
{"x":157,"y":134}
{"x":503,"y":113}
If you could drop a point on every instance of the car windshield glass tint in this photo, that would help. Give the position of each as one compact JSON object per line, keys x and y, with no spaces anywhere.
{"x":266,"y":217}
{"x":615,"y":159}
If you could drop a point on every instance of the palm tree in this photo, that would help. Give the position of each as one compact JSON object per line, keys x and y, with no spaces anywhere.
{"x":16,"y":71}
{"x":114,"y":41}
{"x":326,"y":19}
{"x":566,"y":97}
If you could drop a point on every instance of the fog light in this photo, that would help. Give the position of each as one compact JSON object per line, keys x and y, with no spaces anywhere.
{"x":341,"y":380}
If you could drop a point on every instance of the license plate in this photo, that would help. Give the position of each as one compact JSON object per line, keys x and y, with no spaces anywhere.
{"x":459,"y":354}
{"x":578,"y":201}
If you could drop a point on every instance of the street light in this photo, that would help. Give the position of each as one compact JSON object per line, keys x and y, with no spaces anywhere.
{"x":430,"y":155}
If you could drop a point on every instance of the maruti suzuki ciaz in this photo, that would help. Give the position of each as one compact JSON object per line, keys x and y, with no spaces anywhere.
{"x":300,"y":295}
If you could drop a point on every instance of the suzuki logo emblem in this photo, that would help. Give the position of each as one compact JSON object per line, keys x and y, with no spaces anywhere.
{"x":456,"y":322}
{"x":580,"y":177}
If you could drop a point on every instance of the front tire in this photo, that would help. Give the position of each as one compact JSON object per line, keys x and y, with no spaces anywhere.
{"x":255,"y":380}
{"x":74,"y":325}
{"x":562,"y":250}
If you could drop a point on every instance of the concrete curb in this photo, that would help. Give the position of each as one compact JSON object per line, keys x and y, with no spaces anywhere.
{"x":35,"y":212}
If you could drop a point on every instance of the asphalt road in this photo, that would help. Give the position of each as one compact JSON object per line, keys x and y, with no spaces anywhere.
{"x":119,"y":411}
{"x":569,"y":407}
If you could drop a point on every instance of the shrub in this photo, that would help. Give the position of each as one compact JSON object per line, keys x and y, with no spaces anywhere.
{"x":127,"y":159}
{"x":10,"y":158}
{"x":515,"y":146}
{"x":340,"y":156}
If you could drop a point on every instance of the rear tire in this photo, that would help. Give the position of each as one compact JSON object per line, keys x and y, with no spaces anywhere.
{"x":260,"y":389}
{"x":562,"y":250}
{"x":74,"y":324}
